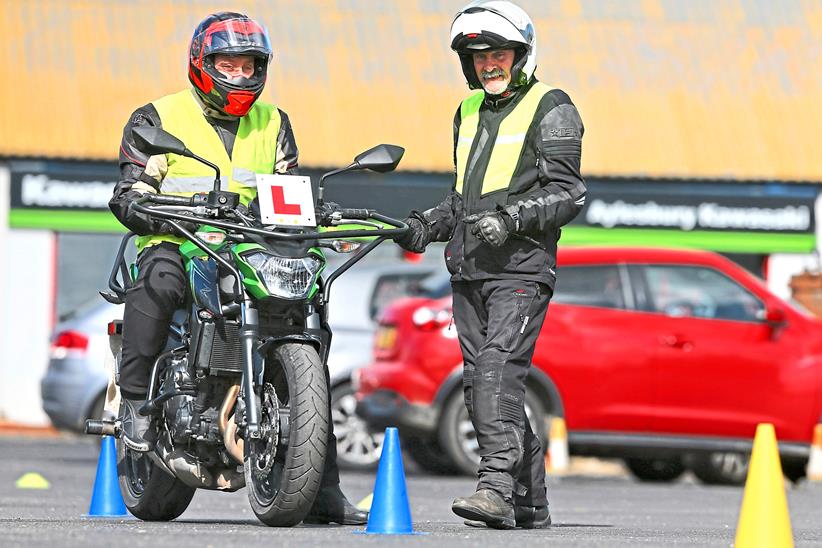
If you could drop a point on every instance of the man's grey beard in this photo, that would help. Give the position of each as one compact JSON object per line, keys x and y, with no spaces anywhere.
{"x":492,"y":74}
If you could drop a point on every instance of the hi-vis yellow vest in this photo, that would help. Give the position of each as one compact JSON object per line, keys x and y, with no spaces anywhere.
{"x":508,"y":145}
{"x":255,"y":148}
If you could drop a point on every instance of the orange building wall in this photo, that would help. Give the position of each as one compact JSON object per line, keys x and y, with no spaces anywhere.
{"x":682,"y":88}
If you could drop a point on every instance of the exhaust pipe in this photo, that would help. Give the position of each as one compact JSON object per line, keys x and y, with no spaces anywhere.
{"x":188,"y":469}
{"x":228,"y":428}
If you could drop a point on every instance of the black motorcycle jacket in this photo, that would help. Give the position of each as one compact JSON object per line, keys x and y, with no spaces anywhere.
{"x":546,"y":192}
{"x":140,"y":173}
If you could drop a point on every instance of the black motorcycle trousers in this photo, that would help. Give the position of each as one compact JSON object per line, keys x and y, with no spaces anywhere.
{"x":498,"y":322}
{"x":158,"y":291}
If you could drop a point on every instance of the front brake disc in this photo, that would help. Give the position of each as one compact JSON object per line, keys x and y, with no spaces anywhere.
{"x":265,"y":448}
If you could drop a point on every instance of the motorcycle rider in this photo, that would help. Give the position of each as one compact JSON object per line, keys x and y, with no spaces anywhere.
{"x":517,"y":148}
{"x":219,"y":118}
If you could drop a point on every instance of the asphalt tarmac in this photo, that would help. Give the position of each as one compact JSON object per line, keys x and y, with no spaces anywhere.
{"x":603,"y":511}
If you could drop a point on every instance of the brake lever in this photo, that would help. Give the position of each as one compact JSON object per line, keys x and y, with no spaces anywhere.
{"x":342,"y":221}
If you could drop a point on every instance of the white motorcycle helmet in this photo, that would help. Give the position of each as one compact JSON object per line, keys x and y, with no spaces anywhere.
{"x":495,"y":24}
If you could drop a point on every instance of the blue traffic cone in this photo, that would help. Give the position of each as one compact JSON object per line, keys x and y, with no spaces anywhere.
{"x":390,"y":512}
{"x":106,"y":499}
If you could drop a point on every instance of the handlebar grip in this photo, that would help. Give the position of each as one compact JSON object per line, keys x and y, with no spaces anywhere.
{"x":357,"y":214}
{"x":164,"y":199}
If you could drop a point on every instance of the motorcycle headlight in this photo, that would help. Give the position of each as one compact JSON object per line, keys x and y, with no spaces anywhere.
{"x":285,"y":277}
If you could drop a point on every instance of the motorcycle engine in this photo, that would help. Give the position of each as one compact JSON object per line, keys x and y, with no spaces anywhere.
{"x":188,"y":417}
{"x":179,"y":410}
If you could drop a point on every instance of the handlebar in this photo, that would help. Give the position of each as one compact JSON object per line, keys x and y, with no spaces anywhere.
{"x":196,"y":203}
{"x":357,"y":214}
{"x":166,"y":199}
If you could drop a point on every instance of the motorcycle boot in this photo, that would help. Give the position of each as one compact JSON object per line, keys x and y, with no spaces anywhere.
{"x":135,"y":426}
{"x":331,"y":506}
{"x":488,"y":507}
{"x":527,"y":517}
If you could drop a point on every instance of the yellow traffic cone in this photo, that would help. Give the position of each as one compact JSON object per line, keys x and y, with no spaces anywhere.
{"x":764,"y":520}
{"x":557,"y":455}
{"x":814,"y":469}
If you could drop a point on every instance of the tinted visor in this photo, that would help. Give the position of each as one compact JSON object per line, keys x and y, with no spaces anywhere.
{"x":233,"y":36}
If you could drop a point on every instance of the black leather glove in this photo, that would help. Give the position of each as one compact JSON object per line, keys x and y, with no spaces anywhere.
{"x":418,"y":235}
{"x":166,"y":228}
{"x":493,"y":227}
{"x":324,"y":211}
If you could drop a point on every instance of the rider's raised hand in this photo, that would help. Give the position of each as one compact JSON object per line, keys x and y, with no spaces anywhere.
{"x":325,"y":211}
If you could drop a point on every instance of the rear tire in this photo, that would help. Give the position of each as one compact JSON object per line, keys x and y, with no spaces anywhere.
{"x":655,"y":470}
{"x":281,"y":491}
{"x":794,"y":469}
{"x":148,"y":491}
{"x":721,"y":468}
{"x":732,"y":468}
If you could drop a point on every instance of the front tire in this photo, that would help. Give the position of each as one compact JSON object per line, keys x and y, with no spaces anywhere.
{"x":458,"y":439}
{"x":429,"y":456}
{"x":282,"y":488}
{"x":148,"y":491}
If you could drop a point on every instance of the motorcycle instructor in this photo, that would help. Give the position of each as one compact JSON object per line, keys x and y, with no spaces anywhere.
{"x":221,"y":118}
{"x":517,"y":148}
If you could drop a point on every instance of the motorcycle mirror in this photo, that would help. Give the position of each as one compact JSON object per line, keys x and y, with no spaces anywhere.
{"x":381,"y":158}
{"x":154,"y":140}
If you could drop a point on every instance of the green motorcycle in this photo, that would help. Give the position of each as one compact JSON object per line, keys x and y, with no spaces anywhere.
{"x":239,"y":398}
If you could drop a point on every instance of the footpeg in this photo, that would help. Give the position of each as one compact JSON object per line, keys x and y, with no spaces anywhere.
{"x":102,"y":427}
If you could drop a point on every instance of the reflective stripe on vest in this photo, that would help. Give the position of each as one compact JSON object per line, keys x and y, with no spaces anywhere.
{"x":508,"y":145}
{"x":254,"y":151}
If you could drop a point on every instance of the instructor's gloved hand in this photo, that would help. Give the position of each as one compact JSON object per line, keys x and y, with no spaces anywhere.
{"x":493,"y":227}
{"x":418,"y":235}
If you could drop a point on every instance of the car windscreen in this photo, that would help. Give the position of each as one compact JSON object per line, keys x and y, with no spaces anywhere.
{"x":393,"y":286}
{"x":435,"y":286}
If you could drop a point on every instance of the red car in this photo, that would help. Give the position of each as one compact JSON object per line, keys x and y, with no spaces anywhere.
{"x":665,"y":358}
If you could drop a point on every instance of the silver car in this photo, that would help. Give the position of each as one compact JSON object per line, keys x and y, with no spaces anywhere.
{"x":73,"y":388}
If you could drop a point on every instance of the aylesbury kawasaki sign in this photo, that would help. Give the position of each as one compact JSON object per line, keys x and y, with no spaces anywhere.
{"x":750,"y":214}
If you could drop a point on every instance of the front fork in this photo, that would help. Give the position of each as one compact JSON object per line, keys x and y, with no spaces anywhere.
{"x":249,"y":334}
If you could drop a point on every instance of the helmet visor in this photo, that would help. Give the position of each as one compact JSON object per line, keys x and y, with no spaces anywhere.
{"x":233,"y":36}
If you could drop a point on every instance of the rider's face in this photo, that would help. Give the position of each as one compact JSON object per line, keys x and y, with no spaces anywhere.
{"x":234,"y":65}
{"x":493,"y":69}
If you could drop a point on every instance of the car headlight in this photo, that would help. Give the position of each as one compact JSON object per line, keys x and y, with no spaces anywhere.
{"x":285,"y":277}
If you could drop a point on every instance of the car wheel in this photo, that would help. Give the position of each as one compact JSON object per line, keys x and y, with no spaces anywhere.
{"x":357,"y":447}
{"x":429,"y":456}
{"x":458,"y":439}
{"x":655,"y":470}
{"x":721,"y":468}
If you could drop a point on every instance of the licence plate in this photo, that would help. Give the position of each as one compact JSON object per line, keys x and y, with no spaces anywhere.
{"x":385,"y":337}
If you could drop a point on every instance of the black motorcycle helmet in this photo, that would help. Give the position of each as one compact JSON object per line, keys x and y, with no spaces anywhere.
{"x":233,"y":34}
